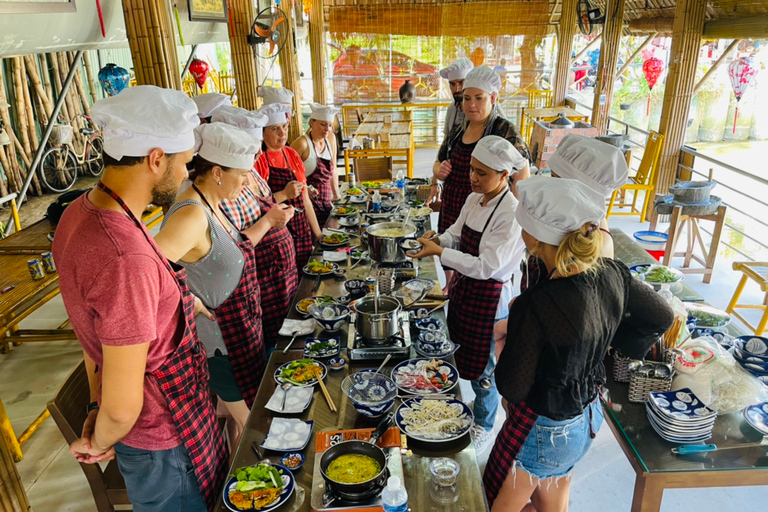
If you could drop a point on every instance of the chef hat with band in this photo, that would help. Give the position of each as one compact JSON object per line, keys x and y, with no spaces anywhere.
{"x":597,"y":164}
{"x":210,"y":102}
{"x":272,"y":95}
{"x":225,"y":145}
{"x":551,"y":209}
{"x":146,"y":117}
{"x":499,"y":154}
{"x":323,"y":113}
{"x":252,"y":123}
{"x":484,"y":78}
{"x":458,"y":70}
{"x":277,"y":113}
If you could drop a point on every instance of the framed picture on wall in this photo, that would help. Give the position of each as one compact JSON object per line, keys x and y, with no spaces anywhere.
{"x":36,"y":6}
{"x":208,"y":10}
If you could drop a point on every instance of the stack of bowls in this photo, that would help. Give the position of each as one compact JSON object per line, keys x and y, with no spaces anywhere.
{"x":330,"y":317}
{"x":751,"y":352}
{"x":371,"y":393}
{"x":680,"y":416}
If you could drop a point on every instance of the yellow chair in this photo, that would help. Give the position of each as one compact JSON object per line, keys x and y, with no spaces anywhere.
{"x":539,"y":98}
{"x":643,"y":180}
{"x":10,"y":198}
{"x":758,"y":272}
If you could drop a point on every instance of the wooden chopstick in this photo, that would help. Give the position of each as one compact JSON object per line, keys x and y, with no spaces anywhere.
{"x":327,"y":396}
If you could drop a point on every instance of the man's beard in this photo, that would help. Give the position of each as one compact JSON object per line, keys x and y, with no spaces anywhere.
{"x":458,"y":97}
{"x":164,"y":192}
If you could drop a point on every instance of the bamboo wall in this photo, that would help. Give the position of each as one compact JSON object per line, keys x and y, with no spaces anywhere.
{"x":317,"y":50}
{"x":606,"y":67}
{"x":151,"y":36}
{"x":565,"y":34}
{"x":241,"y":15}
{"x":30,"y":84}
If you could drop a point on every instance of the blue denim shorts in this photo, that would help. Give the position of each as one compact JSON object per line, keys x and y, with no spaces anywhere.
{"x":554,"y":447}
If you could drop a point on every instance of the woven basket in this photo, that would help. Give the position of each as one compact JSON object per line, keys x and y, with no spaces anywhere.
{"x":61,"y":134}
{"x":621,"y":367}
{"x":640,"y":386}
{"x":422,"y":194}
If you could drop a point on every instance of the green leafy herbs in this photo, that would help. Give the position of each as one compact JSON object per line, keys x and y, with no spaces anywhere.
{"x":252,"y":478}
{"x":660,"y":275}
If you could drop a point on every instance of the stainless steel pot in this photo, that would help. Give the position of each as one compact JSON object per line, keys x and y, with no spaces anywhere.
{"x":386,"y":249}
{"x":372,"y":326}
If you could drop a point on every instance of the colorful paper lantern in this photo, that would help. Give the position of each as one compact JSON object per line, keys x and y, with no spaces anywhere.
{"x":477,"y":56}
{"x":113,"y":79}
{"x":741,"y":72}
{"x":652,"y":70}
{"x":199,"y":70}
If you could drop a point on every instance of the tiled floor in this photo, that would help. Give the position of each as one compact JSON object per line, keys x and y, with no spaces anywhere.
{"x":32,"y":373}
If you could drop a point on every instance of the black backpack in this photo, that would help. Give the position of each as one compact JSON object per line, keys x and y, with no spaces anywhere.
{"x":56,"y":208}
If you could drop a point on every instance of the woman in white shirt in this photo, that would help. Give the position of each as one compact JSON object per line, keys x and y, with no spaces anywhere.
{"x":480,"y":247}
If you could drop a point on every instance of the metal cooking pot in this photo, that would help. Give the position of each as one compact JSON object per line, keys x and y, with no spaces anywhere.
{"x":383,"y":325}
{"x":387,"y":249}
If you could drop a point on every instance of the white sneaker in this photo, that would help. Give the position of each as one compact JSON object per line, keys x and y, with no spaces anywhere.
{"x":481,"y":437}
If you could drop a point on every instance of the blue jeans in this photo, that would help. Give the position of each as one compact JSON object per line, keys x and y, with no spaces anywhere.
{"x":487,"y":400}
{"x":160,"y":481}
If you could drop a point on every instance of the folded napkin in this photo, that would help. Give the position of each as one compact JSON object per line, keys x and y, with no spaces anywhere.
{"x":288,"y":434}
{"x":335,"y":256}
{"x":290,"y":324}
{"x":297,"y":400}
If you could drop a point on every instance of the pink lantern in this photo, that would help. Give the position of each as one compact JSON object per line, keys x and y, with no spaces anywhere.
{"x":741,"y":72}
{"x":652,"y":69}
{"x":199,"y":70}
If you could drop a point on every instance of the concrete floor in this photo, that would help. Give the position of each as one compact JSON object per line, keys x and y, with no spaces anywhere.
{"x":32,"y":373}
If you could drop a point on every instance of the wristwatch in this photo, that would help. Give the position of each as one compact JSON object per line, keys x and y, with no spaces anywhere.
{"x":92,"y":407}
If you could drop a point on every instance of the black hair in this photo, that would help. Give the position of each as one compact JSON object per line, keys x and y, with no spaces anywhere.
{"x":203,"y":167}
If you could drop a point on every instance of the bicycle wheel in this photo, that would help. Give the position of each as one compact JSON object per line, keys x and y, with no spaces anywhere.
{"x":94,"y":161}
{"x":58,"y":169}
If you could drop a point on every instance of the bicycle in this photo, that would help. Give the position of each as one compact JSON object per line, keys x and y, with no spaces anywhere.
{"x":60,"y":165}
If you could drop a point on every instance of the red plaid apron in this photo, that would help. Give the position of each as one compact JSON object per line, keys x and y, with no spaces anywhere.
{"x":279,"y":177}
{"x":278,"y":276}
{"x":510,"y":440}
{"x":456,"y":188}
{"x":472,"y":309}
{"x":183,"y":379}
{"x":534,"y":271}
{"x":321,"y":180}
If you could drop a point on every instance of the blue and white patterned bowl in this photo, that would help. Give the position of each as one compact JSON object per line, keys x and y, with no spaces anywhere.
{"x":757,"y":416}
{"x":725,"y":340}
{"x":356,"y":287}
{"x":434,"y":338}
{"x":372,"y":394}
{"x":418,"y":313}
{"x":753,"y":346}
{"x":429,"y":324}
{"x":681,"y":404}
{"x":440,"y":351}
{"x":330,"y":317}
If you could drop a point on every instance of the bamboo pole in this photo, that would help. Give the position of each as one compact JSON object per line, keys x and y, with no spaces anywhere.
{"x":152,"y":42}
{"x":45,"y":76}
{"x":12,"y":495}
{"x":6,"y":183}
{"x":566,"y":30}
{"x":243,"y":61}
{"x":317,"y":50}
{"x":57,"y":83}
{"x":79,"y":85}
{"x":634,"y":55}
{"x":606,"y":68}
{"x":77,"y":139}
{"x":19,"y":107}
{"x":14,"y":150}
{"x":34,"y":77}
{"x":716,"y":65}
{"x":89,"y":76}
{"x":586,"y":49}
{"x":290,"y":73}
{"x":31,"y":125}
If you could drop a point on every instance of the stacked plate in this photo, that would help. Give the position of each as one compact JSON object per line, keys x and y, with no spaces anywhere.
{"x":751,"y":352}
{"x":680,"y":416}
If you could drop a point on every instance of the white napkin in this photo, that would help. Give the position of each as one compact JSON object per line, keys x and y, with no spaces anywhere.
{"x":297,"y":400}
{"x":305,"y":327}
{"x":335,"y":256}
{"x":287,"y":434}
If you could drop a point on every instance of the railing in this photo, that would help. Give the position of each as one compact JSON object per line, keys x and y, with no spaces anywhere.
{"x":740,"y":191}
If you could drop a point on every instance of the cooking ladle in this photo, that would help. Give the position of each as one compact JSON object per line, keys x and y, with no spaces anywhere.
{"x":386,"y":360}
{"x":485,"y":382}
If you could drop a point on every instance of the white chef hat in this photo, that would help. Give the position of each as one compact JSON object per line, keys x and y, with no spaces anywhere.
{"x":146,"y":117}
{"x":210,"y":102}
{"x":277,"y":113}
{"x":597,"y":164}
{"x":498,"y":154}
{"x":458,"y":70}
{"x":225,"y":145}
{"x":484,"y":78}
{"x":323,"y":113}
{"x":272,"y":95}
{"x":551,"y":209}
{"x":252,"y":123}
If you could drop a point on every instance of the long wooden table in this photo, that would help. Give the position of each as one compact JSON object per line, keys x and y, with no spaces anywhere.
{"x":415,"y":466}
{"x":650,"y":456}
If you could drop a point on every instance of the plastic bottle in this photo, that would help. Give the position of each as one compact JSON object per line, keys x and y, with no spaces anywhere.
{"x":351,"y":180}
{"x":394,"y":498}
{"x":667,"y":294}
{"x":400,"y":182}
{"x":376,"y":202}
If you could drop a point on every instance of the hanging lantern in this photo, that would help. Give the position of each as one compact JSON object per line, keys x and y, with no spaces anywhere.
{"x":199,"y":70}
{"x":741,"y":72}
{"x":477,"y":56}
{"x":113,"y":79}
{"x":307,"y":5}
{"x":652,"y":69}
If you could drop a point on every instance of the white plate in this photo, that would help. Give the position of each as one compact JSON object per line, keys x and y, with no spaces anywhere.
{"x":297,"y":401}
{"x":288,"y":434}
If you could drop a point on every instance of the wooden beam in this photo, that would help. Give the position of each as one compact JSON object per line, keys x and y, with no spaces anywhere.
{"x":606,"y":68}
{"x":241,"y":15}
{"x":317,"y":51}
{"x":752,"y":27}
{"x":566,"y":30}
{"x":678,"y":93}
{"x":716,"y":65}
{"x":662,"y":26}
{"x":290,"y":72}
{"x":626,"y":65}
{"x":586,"y":49}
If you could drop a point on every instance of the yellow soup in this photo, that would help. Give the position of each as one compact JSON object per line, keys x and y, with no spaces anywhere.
{"x":353,"y":468}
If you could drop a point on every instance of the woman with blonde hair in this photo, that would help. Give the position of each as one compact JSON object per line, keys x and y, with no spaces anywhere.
{"x":550,"y":367}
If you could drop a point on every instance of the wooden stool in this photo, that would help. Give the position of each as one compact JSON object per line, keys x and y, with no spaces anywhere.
{"x":707,"y":259}
{"x":758,"y":272}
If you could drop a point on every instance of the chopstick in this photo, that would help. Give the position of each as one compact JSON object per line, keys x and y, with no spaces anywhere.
{"x":327,"y":396}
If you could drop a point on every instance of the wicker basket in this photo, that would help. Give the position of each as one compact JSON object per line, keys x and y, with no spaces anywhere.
{"x":640,"y":386}
{"x":422,"y":194}
{"x":621,"y":367}
{"x":61,"y":134}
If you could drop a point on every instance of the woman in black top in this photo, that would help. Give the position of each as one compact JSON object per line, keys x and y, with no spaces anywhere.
{"x":551,"y":367}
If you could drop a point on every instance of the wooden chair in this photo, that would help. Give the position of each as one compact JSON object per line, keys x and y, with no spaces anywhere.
{"x":539,"y":98}
{"x":643,"y":180}
{"x":10,"y":198}
{"x":68,"y":409}
{"x":372,"y":169}
{"x":758,"y":272}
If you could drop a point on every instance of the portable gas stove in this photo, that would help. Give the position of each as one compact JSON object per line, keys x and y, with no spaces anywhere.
{"x":401,"y":270}
{"x":399,"y":345}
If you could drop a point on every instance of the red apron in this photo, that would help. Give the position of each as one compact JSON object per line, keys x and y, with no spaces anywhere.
{"x":473,"y":299}
{"x":321,"y":180}
{"x":509,"y":442}
{"x":456,"y":188}
{"x":278,"y":278}
{"x":279,"y":177}
{"x":239,"y":319}
{"x":183,"y":379}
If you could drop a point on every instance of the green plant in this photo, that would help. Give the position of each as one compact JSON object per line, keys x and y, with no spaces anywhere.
{"x":632,"y":90}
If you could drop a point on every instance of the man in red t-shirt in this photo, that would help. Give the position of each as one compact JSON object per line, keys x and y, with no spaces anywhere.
{"x":125,"y":303}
